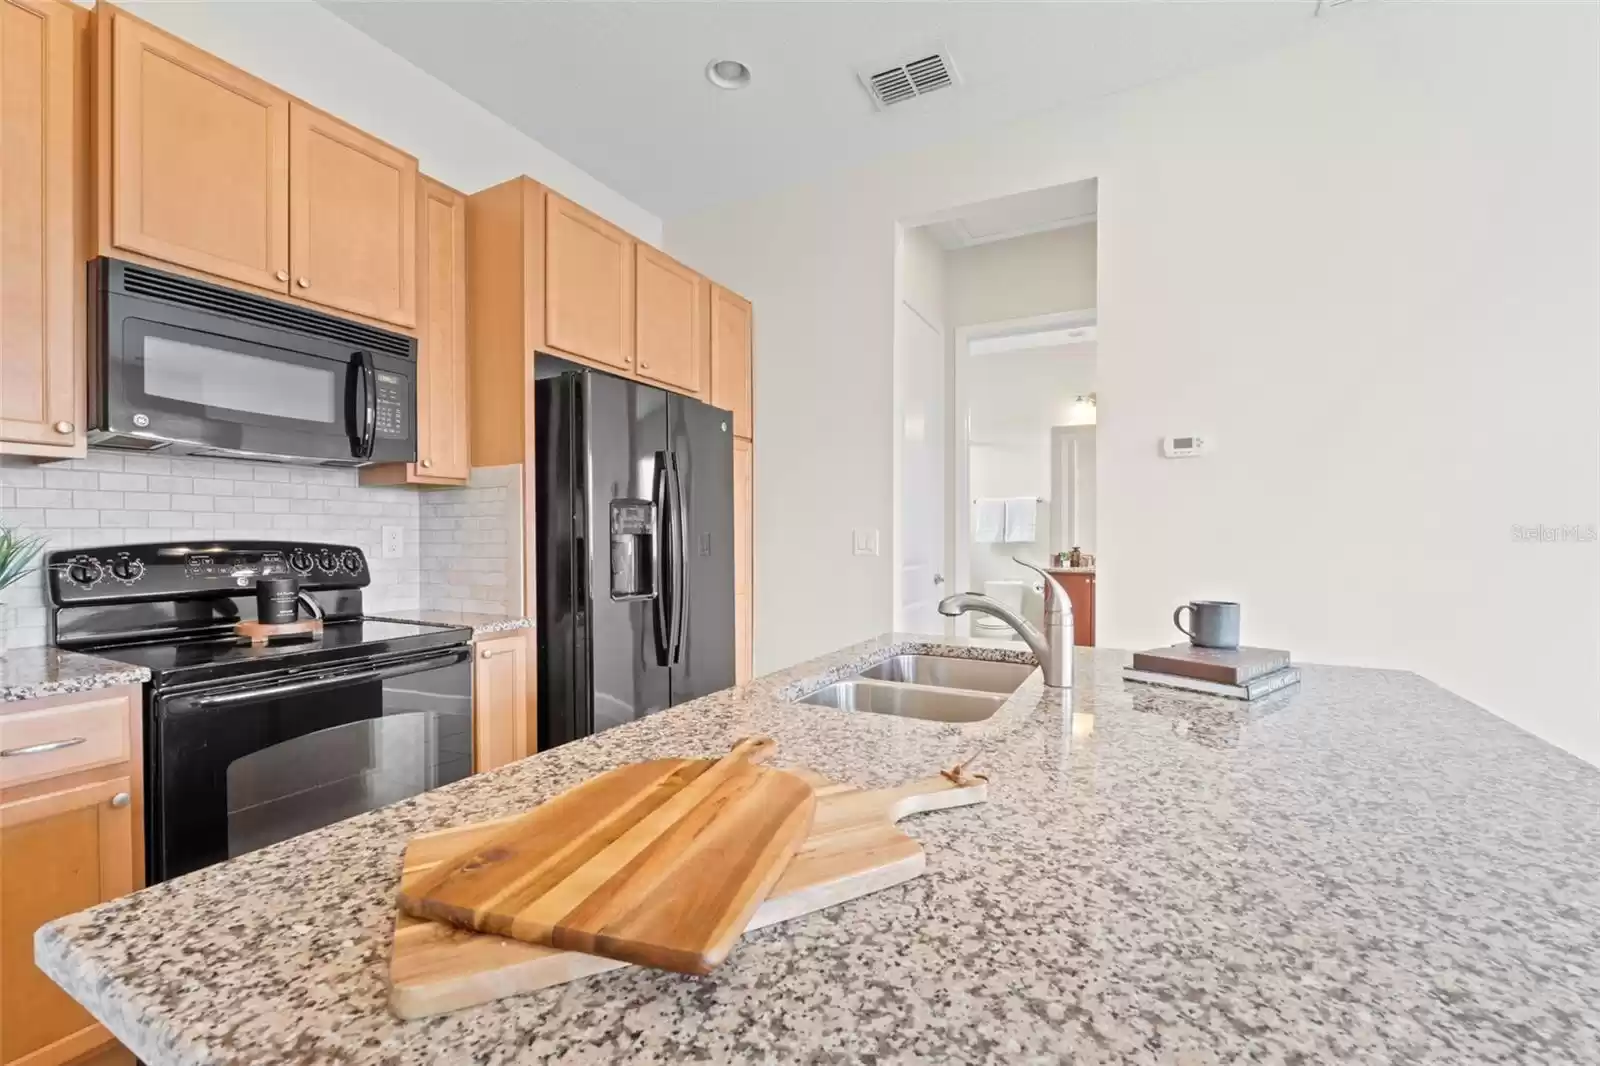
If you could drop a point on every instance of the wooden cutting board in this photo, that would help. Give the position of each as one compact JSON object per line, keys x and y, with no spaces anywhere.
{"x":658,"y":863}
{"x":854,"y":848}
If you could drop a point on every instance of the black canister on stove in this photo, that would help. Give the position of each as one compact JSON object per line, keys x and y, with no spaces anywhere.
{"x":277,"y":600}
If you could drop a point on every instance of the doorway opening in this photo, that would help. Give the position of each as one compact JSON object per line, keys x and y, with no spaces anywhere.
{"x":996,"y":404}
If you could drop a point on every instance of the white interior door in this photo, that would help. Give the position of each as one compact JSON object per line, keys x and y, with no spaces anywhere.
{"x":922,"y":514}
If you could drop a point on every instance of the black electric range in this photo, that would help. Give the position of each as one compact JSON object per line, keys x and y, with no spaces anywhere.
{"x":248,"y":745}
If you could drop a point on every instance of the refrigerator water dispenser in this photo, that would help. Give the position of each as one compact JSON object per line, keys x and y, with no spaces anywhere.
{"x":633,"y":556}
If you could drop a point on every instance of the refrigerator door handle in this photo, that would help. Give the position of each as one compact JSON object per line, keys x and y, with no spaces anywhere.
{"x":663,"y":599}
{"x":680,"y":590}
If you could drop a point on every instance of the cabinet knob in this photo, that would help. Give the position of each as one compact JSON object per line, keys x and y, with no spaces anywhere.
{"x":489,"y":653}
{"x":282,"y":275}
{"x":426,"y":463}
{"x":643,"y":365}
{"x":304,"y":283}
{"x":121,"y":799}
{"x":63,"y":427}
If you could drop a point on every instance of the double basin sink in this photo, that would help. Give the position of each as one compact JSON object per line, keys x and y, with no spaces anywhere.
{"x":935,"y":688}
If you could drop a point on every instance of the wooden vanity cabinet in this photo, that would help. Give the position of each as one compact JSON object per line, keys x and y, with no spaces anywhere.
{"x":671,"y":345}
{"x":1081,"y":592}
{"x":589,"y":286}
{"x":504,"y":722}
{"x":71,"y":836}
{"x":732,"y":334}
{"x":203,"y":168}
{"x":443,"y":448}
{"x":43,"y":226}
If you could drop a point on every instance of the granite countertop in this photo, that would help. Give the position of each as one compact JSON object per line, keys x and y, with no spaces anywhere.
{"x":480,"y":624}
{"x":30,"y":673}
{"x":1364,"y":869}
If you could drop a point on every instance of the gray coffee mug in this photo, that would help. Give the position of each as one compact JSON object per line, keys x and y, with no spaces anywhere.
{"x":1215,"y":623}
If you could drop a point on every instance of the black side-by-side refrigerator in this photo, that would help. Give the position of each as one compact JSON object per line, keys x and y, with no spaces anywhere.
{"x":634,"y":519}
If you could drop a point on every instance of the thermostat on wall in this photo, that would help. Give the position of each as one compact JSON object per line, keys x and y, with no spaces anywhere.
{"x":1184,"y":447}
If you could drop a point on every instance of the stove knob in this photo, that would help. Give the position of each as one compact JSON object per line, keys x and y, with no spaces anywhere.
{"x":300,"y":561}
{"x":85,"y":571}
{"x":128,"y":569}
{"x":328,"y":561}
{"x":351,"y":560}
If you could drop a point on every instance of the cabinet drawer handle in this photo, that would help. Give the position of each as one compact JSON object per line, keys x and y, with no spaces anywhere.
{"x":426,"y":463}
{"x":63,"y":427}
{"x":40,"y":749}
{"x":282,"y":275}
{"x":304,"y":283}
{"x":121,"y":799}
{"x":490,"y":653}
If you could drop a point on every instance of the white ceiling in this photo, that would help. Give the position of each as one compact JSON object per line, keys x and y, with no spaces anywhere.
{"x":619,"y":89}
{"x":1004,"y":217}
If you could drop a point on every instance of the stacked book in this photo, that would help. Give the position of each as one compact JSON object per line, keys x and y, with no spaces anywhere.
{"x":1237,"y":673}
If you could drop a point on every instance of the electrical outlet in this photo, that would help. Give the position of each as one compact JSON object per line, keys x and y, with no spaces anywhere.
{"x":865,"y":541}
{"x":394,"y":542}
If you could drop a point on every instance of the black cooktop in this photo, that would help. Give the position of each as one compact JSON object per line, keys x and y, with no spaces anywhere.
{"x":224,"y":658}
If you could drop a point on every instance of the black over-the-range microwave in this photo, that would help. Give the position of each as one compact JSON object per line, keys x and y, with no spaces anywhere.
{"x":180,"y":366}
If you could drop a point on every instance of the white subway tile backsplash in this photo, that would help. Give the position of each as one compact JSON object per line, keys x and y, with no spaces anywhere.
{"x":110,"y":498}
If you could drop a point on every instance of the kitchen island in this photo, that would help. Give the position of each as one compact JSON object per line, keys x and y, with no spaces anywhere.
{"x":1364,"y":869}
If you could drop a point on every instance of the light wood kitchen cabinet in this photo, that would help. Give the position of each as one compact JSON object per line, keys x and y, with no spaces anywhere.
{"x":504,"y":725}
{"x":443,"y":449}
{"x":202,"y":169}
{"x":352,"y":219}
{"x":43,"y":101}
{"x":670,"y":327}
{"x":731,"y":351}
{"x":589,"y":286}
{"x":198,"y":157}
{"x":71,"y":836}
{"x":743,"y":558}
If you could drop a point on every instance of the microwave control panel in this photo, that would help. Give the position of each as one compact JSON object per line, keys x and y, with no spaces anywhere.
{"x":393,"y":395}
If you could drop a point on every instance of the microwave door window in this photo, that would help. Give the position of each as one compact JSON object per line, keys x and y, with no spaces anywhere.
{"x":233,"y":383}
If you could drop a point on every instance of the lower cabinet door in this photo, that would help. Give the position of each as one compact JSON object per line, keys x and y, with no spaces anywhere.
{"x":60,"y":852}
{"x":501,"y":713}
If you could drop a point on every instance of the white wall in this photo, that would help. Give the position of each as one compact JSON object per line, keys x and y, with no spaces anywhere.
{"x":309,"y":51}
{"x":1022,"y":277}
{"x":1013,"y":399}
{"x":1367,"y":264}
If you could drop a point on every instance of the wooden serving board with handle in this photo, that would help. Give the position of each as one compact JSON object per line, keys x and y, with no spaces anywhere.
{"x":659,"y":863}
{"x":854,"y":848}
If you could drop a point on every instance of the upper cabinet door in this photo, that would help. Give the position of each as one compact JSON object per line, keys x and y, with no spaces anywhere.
{"x":200,"y":160}
{"x":40,"y":266}
{"x":588,"y":286}
{"x":671,"y":331}
{"x":731,"y":346}
{"x":442,"y":354}
{"x":353,"y":219}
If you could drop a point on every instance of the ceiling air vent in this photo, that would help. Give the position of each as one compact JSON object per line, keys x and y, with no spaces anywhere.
{"x":909,"y":79}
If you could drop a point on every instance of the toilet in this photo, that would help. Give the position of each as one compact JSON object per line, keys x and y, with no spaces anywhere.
{"x":1008,"y":593}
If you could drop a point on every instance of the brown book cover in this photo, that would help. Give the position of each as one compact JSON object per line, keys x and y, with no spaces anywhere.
{"x":1225,"y":666}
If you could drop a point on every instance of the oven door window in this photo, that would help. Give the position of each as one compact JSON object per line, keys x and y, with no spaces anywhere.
{"x":237,"y":774}
{"x":186,"y":384}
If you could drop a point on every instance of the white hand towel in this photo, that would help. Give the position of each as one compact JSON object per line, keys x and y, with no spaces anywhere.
{"x":1022,"y":520}
{"x":988,"y":521}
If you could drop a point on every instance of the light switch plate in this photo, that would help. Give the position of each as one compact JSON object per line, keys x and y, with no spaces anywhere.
{"x":865,"y":541}
{"x":394,"y":542}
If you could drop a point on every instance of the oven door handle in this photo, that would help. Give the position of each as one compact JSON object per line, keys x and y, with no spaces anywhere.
{"x":319,"y":683}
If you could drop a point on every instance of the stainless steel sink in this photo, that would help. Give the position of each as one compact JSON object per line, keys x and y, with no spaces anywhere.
{"x":907,"y":701}
{"x":945,"y":671}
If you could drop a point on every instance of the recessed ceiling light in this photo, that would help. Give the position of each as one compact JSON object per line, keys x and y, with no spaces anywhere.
{"x":727,"y":74}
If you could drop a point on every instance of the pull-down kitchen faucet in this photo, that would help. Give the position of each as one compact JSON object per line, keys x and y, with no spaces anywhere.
{"x":1053,"y":647}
